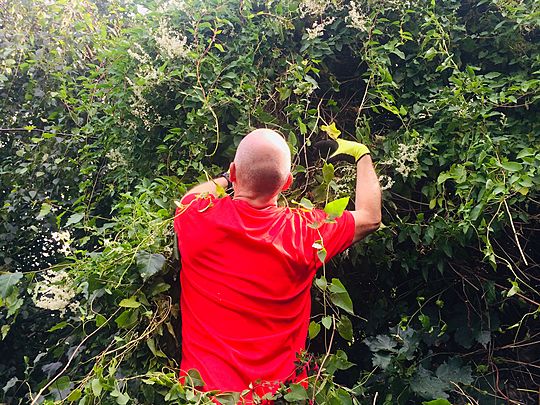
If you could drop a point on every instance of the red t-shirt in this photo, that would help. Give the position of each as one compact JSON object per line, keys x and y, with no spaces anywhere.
{"x":246,"y":277}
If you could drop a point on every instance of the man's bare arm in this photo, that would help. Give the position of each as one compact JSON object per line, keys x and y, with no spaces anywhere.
{"x":367,"y":215}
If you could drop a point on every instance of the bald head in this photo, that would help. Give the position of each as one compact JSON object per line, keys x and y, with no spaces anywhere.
{"x":263,"y":162}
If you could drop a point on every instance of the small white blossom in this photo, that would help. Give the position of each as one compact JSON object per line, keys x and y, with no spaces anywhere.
{"x":171,"y":43}
{"x":386,"y":182}
{"x":317,"y":29}
{"x":357,"y":18}
{"x":64,"y":238}
{"x":313,"y":7}
{"x":406,"y":160}
{"x":116,"y":159}
{"x":55,"y":292}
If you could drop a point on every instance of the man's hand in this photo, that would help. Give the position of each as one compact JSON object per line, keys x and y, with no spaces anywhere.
{"x":335,"y":150}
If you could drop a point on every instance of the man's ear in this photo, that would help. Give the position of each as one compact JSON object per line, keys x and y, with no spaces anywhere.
{"x":232,"y":172}
{"x":288,"y":182}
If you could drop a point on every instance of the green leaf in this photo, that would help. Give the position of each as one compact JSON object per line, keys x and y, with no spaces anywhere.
{"x":439,"y":401}
{"x":512,"y":166}
{"x":74,"y":395}
{"x":381,"y":343}
{"x":327,"y":321}
{"x":335,"y":208}
{"x":75,"y":218}
{"x":127,"y":319}
{"x":220,"y":47}
{"x":194,"y":378}
{"x":305,"y":203}
{"x":100,"y":320}
{"x":328,"y":172}
{"x":58,"y":326}
{"x":296,"y":393}
{"x":492,"y":75}
{"x":345,"y":328}
{"x":63,"y":383}
{"x":129,"y":303}
{"x":314,"y":329}
{"x":340,"y":297}
{"x":149,"y":264}
{"x":96,"y":387}
{"x":425,"y":384}
{"x":453,"y":372}
{"x":321,"y":283}
{"x":45,"y":209}
{"x":321,"y":255}
{"x":381,"y":360}
{"x":338,"y":361}
{"x":331,"y":130}
{"x":7,"y":282}
{"x":525,"y":153}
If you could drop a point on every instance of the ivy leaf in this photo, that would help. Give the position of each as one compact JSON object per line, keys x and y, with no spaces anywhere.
{"x":331,"y":130}
{"x":425,"y":384}
{"x":335,"y":208}
{"x":381,"y":343}
{"x":149,"y":264}
{"x":7,"y":282}
{"x":453,"y":372}
{"x":296,"y":393}
{"x":381,"y":360}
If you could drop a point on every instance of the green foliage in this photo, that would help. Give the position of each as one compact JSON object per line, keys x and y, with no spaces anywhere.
{"x":109,"y":111}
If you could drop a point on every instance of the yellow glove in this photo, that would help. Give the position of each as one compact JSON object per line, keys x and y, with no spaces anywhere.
{"x":336,"y":150}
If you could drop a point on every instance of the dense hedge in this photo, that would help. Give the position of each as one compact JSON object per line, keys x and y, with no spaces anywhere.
{"x":110,"y":109}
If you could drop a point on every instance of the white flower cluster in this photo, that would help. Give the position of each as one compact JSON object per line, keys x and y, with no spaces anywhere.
{"x":406,"y":160}
{"x":386,"y":182}
{"x":317,"y":29}
{"x":115,"y":159}
{"x":172,"y":44}
{"x":2,"y":144}
{"x":55,"y":292}
{"x":150,"y":76}
{"x":357,"y":18}
{"x":172,"y":5}
{"x":64,"y":239}
{"x":313,"y":7}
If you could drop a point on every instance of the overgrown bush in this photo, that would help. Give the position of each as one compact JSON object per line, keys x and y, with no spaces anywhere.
{"x":110,"y":110}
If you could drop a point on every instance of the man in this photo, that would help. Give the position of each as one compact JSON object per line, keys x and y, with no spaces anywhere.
{"x":248,"y":265}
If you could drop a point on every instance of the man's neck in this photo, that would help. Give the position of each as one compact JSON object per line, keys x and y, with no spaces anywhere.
{"x":256,"y":202}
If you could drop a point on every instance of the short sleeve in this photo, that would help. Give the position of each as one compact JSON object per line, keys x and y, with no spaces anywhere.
{"x":336,"y":235}
{"x":189,"y":203}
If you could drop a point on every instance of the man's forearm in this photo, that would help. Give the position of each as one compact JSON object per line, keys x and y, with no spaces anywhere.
{"x":209,"y":186}
{"x":368,"y":190}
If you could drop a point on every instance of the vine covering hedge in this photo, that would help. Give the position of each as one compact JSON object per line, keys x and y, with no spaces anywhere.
{"x":110,"y":110}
